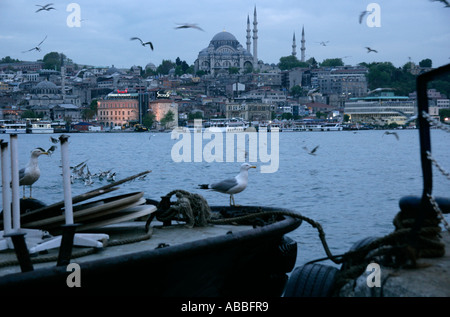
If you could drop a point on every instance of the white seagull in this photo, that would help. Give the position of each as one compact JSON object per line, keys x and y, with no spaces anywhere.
{"x":31,"y":173}
{"x":233,"y":185}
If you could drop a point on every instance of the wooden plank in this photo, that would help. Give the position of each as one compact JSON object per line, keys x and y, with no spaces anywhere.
{"x":55,"y":208}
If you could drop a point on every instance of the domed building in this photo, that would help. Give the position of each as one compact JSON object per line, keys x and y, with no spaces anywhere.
{"x":225,"y":51}
{"x":46,"y":95}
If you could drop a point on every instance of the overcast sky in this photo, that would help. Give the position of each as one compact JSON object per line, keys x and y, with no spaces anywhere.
{"x":415,"y":29}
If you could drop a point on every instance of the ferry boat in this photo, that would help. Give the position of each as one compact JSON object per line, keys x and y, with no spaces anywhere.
{"x":7,"y":126}
{"x":320,"y":126}
{"x":227,"y":125}
{"x":40,"y":127}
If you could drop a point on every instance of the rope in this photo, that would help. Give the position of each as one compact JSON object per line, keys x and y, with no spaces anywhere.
{"x":400,"y":248}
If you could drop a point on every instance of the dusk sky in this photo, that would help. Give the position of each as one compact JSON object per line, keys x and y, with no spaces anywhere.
{"x":415,"y":29}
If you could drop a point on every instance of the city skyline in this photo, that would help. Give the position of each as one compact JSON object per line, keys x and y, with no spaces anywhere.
{"x":406,"y":33}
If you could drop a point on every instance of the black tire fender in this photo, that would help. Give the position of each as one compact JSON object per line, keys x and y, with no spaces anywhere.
{"x":311,"y":280}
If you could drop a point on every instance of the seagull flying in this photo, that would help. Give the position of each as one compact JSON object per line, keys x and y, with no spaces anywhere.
{"x":45,"y":7}
{"x":37,"y":48}
{"x":361,"y":16}
{"x":188,"y":26}
{"x":313,"y":151}
{"x":393,"y":133}
{"x":142,"y":42}
{"x":371,"y":50}
{"x":233,"y":185}
{"x":312,"y":93}
{"x":447,"y":4}
{"x":324,"y":43}
{"x":31,"y":173}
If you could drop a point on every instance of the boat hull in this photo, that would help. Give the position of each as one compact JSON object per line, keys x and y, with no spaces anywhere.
{"x":242,"y":263}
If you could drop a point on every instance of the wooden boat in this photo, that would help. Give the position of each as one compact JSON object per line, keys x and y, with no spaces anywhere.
{"x":243,"y":252}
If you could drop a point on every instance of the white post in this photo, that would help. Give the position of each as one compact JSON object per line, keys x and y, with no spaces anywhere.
{"x":6,"y":191}
{"x":68,"y":209}
{"x":15,"y":183}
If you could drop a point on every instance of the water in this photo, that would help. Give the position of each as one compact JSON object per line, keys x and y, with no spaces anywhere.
{"x":352,"y":186}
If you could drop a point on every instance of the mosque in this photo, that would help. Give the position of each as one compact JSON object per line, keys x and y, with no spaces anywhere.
{"x":225,"y":51}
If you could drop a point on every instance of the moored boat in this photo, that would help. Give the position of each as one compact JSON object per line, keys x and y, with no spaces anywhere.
{"x":163,"y":259}
{"x":40,"y":127}
{"x":8,"y":127}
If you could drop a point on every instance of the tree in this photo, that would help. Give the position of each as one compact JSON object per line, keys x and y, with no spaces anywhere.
{"x":332,"y":62}
{"x":53,"y":60}
{"x":31,"y":114}
{"x":8,"y":59}
{"x":290,"y":62}
{"x":312,"y":62}
{"x":444,"y":113}
{"x":91,"y":111}
{"x":297,"y":91}
{"x":168,"y":117}
{"x":148,"y":119}
{"x":165,"y":67}
{"x":384,"y":74}
{"x":426,"y":63}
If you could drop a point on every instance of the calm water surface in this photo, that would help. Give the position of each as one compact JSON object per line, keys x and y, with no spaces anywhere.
{"x":352,"y":186}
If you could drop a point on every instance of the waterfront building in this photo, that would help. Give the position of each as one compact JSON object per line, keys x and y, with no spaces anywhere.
{"x":160,"y":107}
{"x":249,"y":111}
{"x":380,"y":107}
{"x":118,"y":109}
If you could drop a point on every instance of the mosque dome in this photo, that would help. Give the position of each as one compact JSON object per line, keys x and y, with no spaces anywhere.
{"x":45,"y":87}
{"x":224,"y":38}
{"x":112,"y":70}
{"x":151,"y":66}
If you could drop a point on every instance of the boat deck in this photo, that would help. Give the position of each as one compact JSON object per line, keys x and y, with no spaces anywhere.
{"x":124,"y":239}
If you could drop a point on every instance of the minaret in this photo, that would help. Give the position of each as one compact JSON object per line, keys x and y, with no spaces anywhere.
{"x":248,"y":34}
{"x":255,"y":41}
{"x":294,"y":46}
{"x":63,"y":79}
{"x":303,"y":48}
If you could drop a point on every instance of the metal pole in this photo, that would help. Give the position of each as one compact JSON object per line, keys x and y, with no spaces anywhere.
{"x":15,"y":183}
{"x":68,"y":209}
{"x":6,"y":190}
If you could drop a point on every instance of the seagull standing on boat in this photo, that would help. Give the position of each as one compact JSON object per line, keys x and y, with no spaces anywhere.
{"x":233,"y":185}
{"x":31,"y":173}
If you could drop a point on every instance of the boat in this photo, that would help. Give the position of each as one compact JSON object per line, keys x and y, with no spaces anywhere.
{"x":40,"y":127}
{"x":321,"y":126}
{"x":8,"y":127}
{"x":139,"y":250}
{"x":227,"y":125}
